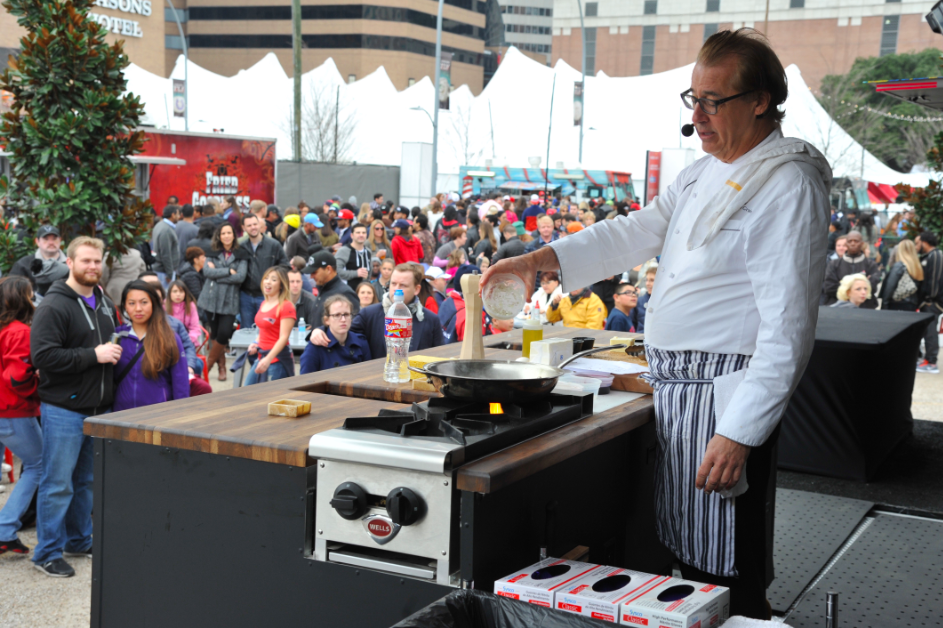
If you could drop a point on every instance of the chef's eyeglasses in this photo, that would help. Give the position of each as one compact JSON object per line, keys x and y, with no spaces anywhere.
{"x":340,"y":317}
{"x":708,"y":105}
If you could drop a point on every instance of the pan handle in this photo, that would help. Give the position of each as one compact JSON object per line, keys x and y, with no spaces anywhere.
{"x":583,"y":354}
{"x":421,"y":372}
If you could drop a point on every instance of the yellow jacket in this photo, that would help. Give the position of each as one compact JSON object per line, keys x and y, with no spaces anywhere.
{"x":588,"y":313}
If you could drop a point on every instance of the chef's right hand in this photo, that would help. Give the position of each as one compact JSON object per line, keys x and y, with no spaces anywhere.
{"x":108,"y":353}
{"x":524,"y":266}
{"x":319,"y":338}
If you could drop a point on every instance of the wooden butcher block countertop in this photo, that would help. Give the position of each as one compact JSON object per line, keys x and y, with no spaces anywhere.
{"x":236,"y":422}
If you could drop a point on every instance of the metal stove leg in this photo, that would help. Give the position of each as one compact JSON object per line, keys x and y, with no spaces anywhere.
{"x":831,"y":609}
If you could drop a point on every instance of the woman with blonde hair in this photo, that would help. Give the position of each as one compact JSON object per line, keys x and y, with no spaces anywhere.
{"x":275,"y":319}
{"x":853,"y":290}
{"x":902,"y":283}
{"x":378,"y":241}
{"x":366,"y":214}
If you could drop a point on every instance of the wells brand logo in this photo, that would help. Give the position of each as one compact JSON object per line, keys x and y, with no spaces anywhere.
{"x":380,"y":528}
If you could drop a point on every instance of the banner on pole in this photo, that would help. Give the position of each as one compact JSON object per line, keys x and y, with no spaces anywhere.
{"x":652,"y":174}
{"x":577,"y":103}
{"x":180,"y":98}
{"x":445,"y":79}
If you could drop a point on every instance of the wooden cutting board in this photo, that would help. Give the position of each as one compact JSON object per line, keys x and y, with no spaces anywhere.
{"x":236,"y":423}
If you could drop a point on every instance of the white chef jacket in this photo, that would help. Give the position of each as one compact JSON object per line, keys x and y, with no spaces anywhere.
{"x":752,"y":290}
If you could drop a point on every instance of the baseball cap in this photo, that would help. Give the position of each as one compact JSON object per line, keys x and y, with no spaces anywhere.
{"x":574,"y":226}
{"x":434,"y":272}
{"x":520,"y":228}
{"x":293,"y":220}
{"x":534,"y":198}
{"x":346,"y":214}
{"x":312,"y":218}
{"x":402,"y":223}
{"x":320,"y":260}
{"x":48,"y":230}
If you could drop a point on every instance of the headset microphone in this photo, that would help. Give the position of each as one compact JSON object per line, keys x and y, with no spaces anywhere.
{"x":687,"y":130}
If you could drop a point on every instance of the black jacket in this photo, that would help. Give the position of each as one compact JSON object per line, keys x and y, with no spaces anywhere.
{"x":46,"y":273}
{"x":838,"y":268}
{"x":65,"y":332}
{"x":194,"y":280}
{"x":889,"y":285}
{"x":512,"y":248}
{"x":269,"y":253}
{"x":334,"y":286}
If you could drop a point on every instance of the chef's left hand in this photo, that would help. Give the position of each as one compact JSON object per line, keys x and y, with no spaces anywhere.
{"x":722,"y":465}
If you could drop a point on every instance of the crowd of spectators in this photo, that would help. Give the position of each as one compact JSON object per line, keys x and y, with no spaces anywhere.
{"x":82,"y":335}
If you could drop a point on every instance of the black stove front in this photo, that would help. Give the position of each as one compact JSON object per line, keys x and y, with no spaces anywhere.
{"x":480,"y":428}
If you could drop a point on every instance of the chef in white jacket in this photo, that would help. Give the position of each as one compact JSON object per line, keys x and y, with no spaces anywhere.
{"x":742,"y":234}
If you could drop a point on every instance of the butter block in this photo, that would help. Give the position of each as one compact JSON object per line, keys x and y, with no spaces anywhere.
{"x":621,"y":340}
{"x":551,"y":351}
{"x":420,"y":361}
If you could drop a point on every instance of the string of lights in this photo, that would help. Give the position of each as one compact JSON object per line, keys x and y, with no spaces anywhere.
{"x":894,"y":116}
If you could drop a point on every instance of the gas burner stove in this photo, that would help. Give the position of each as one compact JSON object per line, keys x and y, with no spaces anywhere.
{"x":386,"y":495}
{"x":471,"y":430}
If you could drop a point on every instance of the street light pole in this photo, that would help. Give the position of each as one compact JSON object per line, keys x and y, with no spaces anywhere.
{"x":435,"y":92}
{"x":186,"y":67}
{"x":579,"y":3}
{"x":296,"y":78}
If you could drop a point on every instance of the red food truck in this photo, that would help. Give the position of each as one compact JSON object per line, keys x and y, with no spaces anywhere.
{"x":197,"y":166}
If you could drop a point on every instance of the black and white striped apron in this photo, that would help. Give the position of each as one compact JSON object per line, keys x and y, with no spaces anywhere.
{"x":697,"y":527}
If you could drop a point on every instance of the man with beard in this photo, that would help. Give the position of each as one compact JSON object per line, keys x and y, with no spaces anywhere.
{"x":71,"y":349}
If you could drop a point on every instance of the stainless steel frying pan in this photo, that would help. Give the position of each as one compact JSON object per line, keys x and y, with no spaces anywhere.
{"x":498,"y":380}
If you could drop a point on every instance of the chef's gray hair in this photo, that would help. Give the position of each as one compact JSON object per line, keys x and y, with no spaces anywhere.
{"x":758,"y":67}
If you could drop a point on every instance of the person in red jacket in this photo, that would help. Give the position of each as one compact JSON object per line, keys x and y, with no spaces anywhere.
{"x":406,"y":248}
{"x":19,"y":405}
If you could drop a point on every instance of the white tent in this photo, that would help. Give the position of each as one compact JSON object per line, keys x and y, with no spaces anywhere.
{"x":507,"y":122}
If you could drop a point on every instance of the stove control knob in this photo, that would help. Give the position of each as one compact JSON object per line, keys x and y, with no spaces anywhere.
{"x":350,"y":501}
{"x":404,"y":506}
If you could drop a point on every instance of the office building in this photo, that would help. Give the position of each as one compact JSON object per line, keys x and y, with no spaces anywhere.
{"x":636,"y":37}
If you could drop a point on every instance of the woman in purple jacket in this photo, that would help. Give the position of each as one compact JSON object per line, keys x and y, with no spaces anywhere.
{"x":152,"y":368}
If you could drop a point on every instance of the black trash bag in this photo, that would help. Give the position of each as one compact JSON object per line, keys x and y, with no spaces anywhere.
{"x":477,"y":609}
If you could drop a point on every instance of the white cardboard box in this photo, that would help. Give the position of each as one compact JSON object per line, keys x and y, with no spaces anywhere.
{"x":537,"y":583}
{"x":600,"y":593}
{"x":677,"y":603}
{"x":551,"y":351}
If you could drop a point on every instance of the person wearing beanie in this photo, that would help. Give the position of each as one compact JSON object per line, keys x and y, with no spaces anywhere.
{"x":529,"y":215}
{"x":574,"y":227}
{"x":406,"y":248}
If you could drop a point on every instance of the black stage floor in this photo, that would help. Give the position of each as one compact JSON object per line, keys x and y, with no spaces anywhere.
{"x":911,"y":480}
{"x":849,"y":537}
{"x":889,"y":575}
{"x":810,"y":528}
